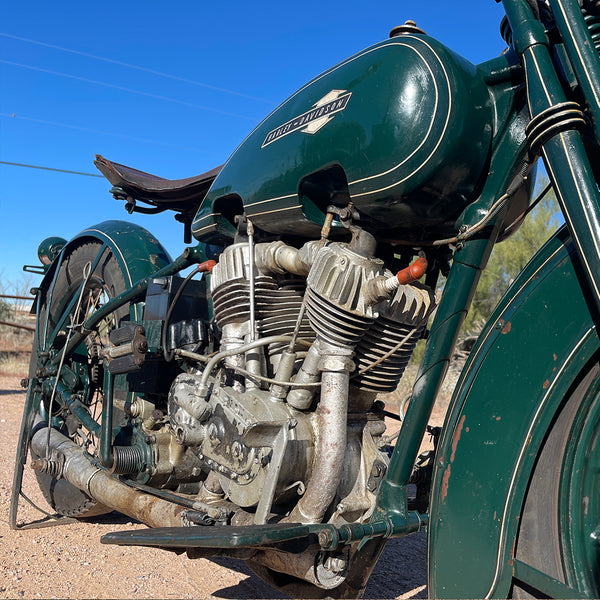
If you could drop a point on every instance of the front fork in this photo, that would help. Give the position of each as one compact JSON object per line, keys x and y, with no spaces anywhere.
{"x":562,"y":147}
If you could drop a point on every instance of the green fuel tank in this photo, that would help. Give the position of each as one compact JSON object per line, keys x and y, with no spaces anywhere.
{"x":403,"y":129}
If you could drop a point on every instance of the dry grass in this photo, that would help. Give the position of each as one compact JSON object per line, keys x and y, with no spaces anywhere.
{"x":15,"y":345}
{"x":14,"y":364}
{"x":404,"y":389}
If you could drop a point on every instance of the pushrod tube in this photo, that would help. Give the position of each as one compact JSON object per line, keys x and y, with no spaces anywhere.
{"x":564,"y":154}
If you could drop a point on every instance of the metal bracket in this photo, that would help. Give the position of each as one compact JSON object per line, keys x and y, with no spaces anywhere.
{"x":274,"y":435}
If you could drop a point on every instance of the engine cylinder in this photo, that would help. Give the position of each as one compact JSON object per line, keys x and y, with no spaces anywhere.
{"x":401,"y":320}
{"x":278,"y":299}
{"x":336,"y":303}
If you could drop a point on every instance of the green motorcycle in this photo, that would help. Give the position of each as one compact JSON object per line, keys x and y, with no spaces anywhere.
{"x":235,"y":410}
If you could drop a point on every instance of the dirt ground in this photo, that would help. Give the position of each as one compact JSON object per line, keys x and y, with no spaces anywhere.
{"x":68,"y":560}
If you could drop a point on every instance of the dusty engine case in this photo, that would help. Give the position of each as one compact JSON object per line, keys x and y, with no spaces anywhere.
{"x":225,"y":439}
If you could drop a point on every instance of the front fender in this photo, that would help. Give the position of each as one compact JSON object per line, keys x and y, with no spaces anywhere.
{"x":538,"y":340}
{"x":137,"y":251}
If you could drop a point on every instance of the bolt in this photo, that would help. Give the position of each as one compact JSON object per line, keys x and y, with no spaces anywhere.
{"x":37,"y":464}
{"x":213,"y":435}
{"x":325,"y":538}
{"x":142,"y":346}
{"x":335,"y":564}
{"x":237,"y":452}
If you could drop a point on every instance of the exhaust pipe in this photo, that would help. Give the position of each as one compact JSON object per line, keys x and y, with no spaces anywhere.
{"x":330,"y":450}
{"x":80,"y":472}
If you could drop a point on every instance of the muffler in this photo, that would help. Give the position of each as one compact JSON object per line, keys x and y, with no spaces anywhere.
{"x":79,"y":471}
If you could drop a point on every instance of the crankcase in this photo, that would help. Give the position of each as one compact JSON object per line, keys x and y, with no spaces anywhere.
{"x":225,"y":438}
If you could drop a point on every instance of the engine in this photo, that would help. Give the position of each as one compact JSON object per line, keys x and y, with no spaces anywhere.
{"x":283,"y":416}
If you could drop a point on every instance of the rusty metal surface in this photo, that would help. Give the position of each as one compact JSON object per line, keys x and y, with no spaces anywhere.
{"x":331,"y":439}
{"x":79,"y":471}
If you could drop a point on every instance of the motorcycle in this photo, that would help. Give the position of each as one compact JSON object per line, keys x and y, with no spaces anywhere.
{"x":235,"y":410}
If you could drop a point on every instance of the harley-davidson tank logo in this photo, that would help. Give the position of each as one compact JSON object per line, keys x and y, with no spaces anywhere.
{"x":312,"y":120}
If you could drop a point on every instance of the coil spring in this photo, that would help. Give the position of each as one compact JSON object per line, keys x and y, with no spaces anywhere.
{"x":127,"y":459}
{"x":591,"y":15}
{"x":506,"y":31}
{"x":561,"y":117}
{"x":52,"y":467}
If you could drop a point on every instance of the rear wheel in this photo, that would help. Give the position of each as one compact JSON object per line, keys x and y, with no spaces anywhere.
{"x":560,"y":523}
{"x":84,"y":367}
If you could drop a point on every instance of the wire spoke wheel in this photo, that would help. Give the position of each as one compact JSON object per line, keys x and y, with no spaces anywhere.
{"x":76,"y":295}
{"x":560,"y":525}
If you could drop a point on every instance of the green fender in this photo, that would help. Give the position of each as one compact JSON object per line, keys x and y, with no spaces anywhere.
{"x":137,"y":251}
{"x":538,"y":340}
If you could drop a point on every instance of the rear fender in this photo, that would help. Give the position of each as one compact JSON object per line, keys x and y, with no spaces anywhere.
{"x":137,"y":251}
{"x":530,"y":353}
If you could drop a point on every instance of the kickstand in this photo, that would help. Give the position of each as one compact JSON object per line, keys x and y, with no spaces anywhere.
{"x":21,"y":458}
{"x":49,"y":520}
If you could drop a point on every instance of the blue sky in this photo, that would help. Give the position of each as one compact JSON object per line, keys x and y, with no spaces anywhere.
{"x":83,"y":78}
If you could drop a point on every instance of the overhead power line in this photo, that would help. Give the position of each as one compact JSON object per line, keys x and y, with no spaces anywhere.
{"x":125,"y":89}
{"x":88,"y":130}
{"x":137,"y":67}
{"x":14,"y":164}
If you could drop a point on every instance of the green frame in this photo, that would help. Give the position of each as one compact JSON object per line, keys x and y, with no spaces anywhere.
{"x":141,"y":257}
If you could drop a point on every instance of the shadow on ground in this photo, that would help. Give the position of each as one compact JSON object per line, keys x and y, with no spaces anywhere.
{"x":400,"y":572}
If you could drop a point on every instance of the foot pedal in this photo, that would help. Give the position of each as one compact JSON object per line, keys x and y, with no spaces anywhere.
{"x":250,"y":536}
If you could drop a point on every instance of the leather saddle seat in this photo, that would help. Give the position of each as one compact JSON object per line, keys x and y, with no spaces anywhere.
{"x":174,"y":194}
{"x":180,"y":195}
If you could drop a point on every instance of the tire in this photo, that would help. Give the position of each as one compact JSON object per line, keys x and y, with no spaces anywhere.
{"x":105,"y":282}
{"x":561,"y":513}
